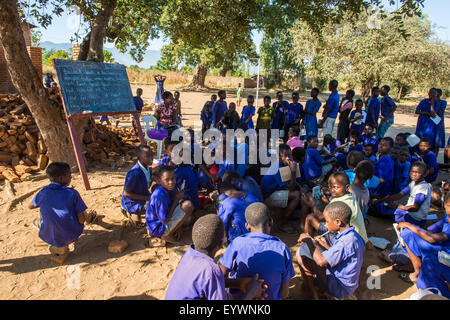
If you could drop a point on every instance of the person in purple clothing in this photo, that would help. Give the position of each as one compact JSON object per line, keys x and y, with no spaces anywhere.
{"x":430,"y":160}
{"x":368,"y":137}
{"x":388,"y":108}
{"x":426,"y":110}
{"x":231,"y":209}
{"x":441,"y":105}
{"x":137,"y":184}
{"x":331,"y":109}
{"x":218,"y":109}
{"x":334,"y":269}
{"x":384,"y":167}
{"x":248,"y":112}
{"x":294,"y":113}
{"x":63,"y":212}
{"x":199,"y":277}
{"x":373,"y":108}
{"x":257,"y":252}
{"x":166,"y":211}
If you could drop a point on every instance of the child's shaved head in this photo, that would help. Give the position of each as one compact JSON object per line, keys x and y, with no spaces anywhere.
{"x":353,"y":158}
{"x":208,"y":232}
{"x":341,"y":177}
{"x":339,"y":210}
{"x":56,"y":170}
{"x":365,"y":170}
{"x":257,"y":214}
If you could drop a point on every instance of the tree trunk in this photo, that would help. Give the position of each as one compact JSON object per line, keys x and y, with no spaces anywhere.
{"x":400,"y":91}
{"x":200,"y":77}
{"x":48,"y":116}
{"x":98,"y":30}
{"x":84,"y":48}
{"x":366,"y":88}
{"x":224,"y":71}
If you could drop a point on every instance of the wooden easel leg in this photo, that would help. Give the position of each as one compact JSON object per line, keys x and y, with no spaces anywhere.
{"x":78,"y":154}
{"x":137,"y":121}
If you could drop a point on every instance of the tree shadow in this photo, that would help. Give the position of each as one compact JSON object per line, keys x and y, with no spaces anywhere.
{"x":142,"y":296}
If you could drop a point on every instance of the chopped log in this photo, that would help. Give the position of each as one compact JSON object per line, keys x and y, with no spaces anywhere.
{"x":30,"y":137}
{"x":41,"y":147}
{"x":10,"y":175}
{"x":31,"y":149}
{"x":5,"y":157}
{"x":42,"y":162}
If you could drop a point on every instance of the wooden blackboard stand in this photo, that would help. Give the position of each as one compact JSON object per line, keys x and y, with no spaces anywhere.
{"x":119,"y":85}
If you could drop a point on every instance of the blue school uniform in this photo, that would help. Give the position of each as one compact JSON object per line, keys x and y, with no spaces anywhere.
{"x":272,"y":182}
{"x":384,"y":169}
{"x":59,"y":206}
{"x":277,"y":122}
{"x":333,"y":146}
{"x":370,"y":184}
{"x":248,"y":111}
{"x":439,"y":141}
{"x":158,"y":210}
{"x":258,"y":253}
{"x":165,"y":160}
{"x":387,"y":104}
{"x":310,"y":119}
{"x":232,"y":212}
{"x":333,"y":102}
{"x":313,"y":164}
{"x":249,"y":184}
{"x":137,"y":181}
{"x":293,"y":112}
{"x":374,"y":104}
{"x":426,"y":128}
{"x":197,"y":277}
{"x":369,"y":140}
{"x":207,"y":118}
{"x":204,"y":181}
{"x":357,"y":127}
{"x":139,"y":103}
{"x":219,"y":108}
{"x":345,"y":258}
{"x":401,"y":172}
{"x":431,"y":162}
{"x":186,"y":174}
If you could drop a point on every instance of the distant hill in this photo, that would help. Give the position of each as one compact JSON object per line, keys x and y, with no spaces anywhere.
{"x":151,"y":57}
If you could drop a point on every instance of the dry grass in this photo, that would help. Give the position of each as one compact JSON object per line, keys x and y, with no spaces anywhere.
{"x":143,"y":76}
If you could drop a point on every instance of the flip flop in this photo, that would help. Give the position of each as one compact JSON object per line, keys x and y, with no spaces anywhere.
{"x":405,"y":277}
{"x":37,"y":223}
{"x":128,"y":217}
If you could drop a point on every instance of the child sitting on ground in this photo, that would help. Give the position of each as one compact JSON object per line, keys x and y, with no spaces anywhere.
{"x":136,"y":193}
{"x":231,"y":209}
{"x":369,"y":153}
{"x":281,"y":194}
{"x":345,"y":149}
{"x":353,"y":159}
{"x":384,"y":168}
{"x":166,"y":159}
{"x":63,"y":212}
{"x":419,"y":199}
{"x":243,"y":184}
{"x":363,"y":172}
{"x":430,"y":160}
{"x":424,"y":248}
{"x":294,"y":139}
{"x":368,"y":137}
{"x":257,"y":252}
{"x":401,"y":170}
{"x":339,"y":186}
{"x":315,"y":166}
{"x":329,"y":146}
{"x":199,"y":277}
{"x":166,"y":211}
{"x":336,"y":269}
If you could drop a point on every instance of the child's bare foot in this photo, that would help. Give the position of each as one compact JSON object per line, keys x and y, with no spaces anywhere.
{"x":91,"y":217}
{"x":59,"y":254}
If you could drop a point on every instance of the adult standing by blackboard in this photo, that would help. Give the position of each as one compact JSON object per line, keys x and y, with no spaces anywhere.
{"x":159,"y":88}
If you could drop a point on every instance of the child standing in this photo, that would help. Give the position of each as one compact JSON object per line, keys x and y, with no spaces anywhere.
{"x":336,"y":269}
{"x":441,"y":105}
{"x":136,"y":193}
{"x":294,"y":113}
{"x":265,"y":115}
{"x":373,"y":108}
{"x":344,"y":111}
{"x":257,"y":252}
{"x":63,"y":212}
{"x":387,"y":109}
{"x":206,"y":116}
{"x":238,"y":94}
{"x":357,"y":118}
{"x":177,"y":103}
{"x":231,"y":118}
{"x":219,"y":108}
{"x":312,"y":107}
{"x":426,"y":110}
{"x":248,"y":112}
{"x":166,"y":211}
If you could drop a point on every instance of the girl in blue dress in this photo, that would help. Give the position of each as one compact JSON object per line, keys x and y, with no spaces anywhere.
{"x":441,"y":105}
{"x":312,"y":107}
{"x":426,"y":110}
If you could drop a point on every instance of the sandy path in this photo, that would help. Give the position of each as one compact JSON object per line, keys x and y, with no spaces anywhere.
{"x":139,"y":273}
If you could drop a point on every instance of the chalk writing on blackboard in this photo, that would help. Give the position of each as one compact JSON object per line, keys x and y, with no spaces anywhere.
{"x":93,"y":87}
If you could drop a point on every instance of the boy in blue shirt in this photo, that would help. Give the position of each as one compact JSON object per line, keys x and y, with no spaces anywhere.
{"x":315,"y":166}
{"x":369,"y":138}
{"x":384,"y":167}
{"x":373,"y":108}
{"x":166,"y":211}
{"x":139,"y":104}
{"x":199,"y":277}
{"x":369,"y":153}
{"x":294,"y":113}
{"x":331,"y":109}
{"x":206,"y":115}
{"x":137,"y":184}
{"x":248,"y":112}
{"x":357,"y":118}
{"x":219,"y":108}
{"x":334,"y":269}
{"x":63,"y":212}
{"x":281,"y":194}
{"x":388,"y":108}
{"x":231,"y":209}
{"x":401,"y":170}
{"x":430,"y":160}
{"x":243,"y":184}
{"x":257,"y":252}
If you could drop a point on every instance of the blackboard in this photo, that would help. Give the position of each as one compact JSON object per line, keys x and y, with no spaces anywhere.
{"x":93,"y":87}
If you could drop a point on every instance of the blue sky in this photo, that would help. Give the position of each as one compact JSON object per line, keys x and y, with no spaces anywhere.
{"x":63,"y":28}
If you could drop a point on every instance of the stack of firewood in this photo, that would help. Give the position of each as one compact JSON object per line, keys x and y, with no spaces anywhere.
{"x":22,"y":150}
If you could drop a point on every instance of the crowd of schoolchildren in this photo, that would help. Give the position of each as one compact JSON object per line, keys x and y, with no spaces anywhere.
{"x":324,"y":192}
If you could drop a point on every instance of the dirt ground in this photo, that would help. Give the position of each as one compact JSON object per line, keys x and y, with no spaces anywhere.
{"x":26,"y":271}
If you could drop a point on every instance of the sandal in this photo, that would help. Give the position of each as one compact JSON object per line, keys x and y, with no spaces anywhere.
{"x":37,"y":223}
{"x":156,"y":243}
{"x":405,"y":277}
